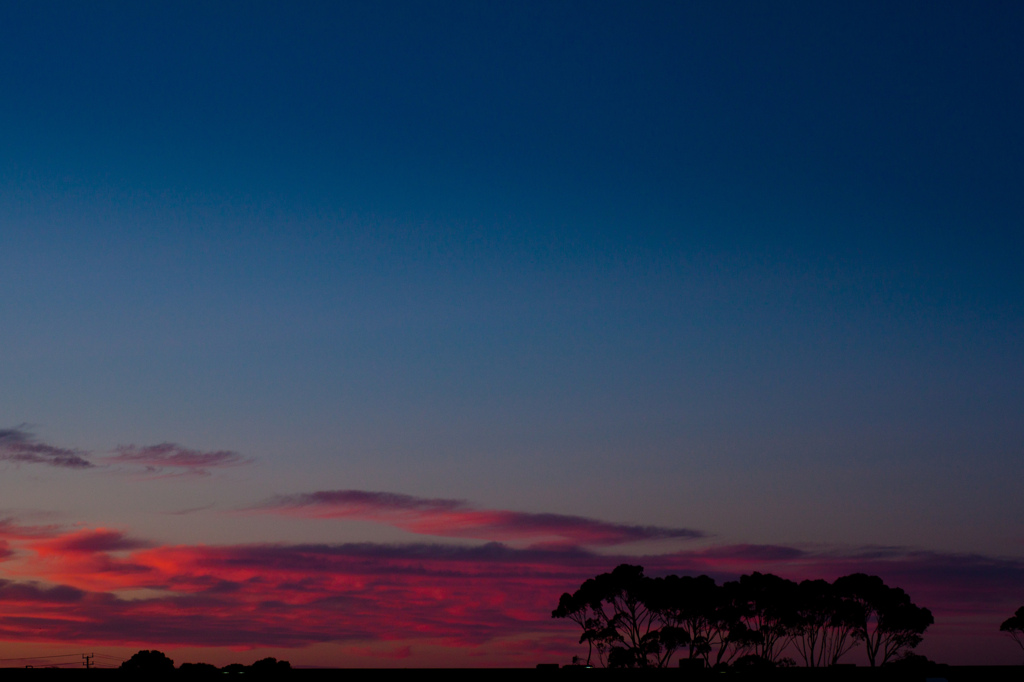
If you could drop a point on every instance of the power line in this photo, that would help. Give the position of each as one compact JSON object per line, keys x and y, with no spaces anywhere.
{"x":48,"y":660}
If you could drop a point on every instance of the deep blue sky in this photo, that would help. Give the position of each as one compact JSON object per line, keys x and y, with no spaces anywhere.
{"x":721,"y":286}
{"x":656,"y":262}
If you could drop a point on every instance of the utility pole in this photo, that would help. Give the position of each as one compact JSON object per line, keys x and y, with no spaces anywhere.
{"x":88,"y":660}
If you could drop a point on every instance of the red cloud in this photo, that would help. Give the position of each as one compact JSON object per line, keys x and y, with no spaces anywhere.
{"x":290,"y":595}
{"x":456,"y":518}
{"x":83,"y":558}
{"x":384,"y":598}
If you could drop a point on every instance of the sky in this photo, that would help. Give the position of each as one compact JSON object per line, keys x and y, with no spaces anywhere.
{"x":356,"y":333}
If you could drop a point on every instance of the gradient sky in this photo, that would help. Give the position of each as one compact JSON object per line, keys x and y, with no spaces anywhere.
{"x":420,"y":313}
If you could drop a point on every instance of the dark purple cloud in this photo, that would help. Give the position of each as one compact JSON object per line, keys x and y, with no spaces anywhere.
{"x":32,"y":592}
{"x":371,"y":501}
{"x":93,"y":541}
{"x":753,"y":553}
{"x":19,"y":445}
{"x":175,"y":459}
{"x":457,"y":518}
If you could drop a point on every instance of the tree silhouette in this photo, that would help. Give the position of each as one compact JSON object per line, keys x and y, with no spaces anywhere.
{"x":766,"y":605}
{"x":147,"y":661}
{"x":885,"y":618}
{"x":825,"y":626}
{"x":631,"y":620}
{"x":583,"y":608}
{"x":690,"y":605}
{"x":1014,"y":626}
{"x":198,"y":670}
{"x":621,"y":619}
{"x":270,"y":667}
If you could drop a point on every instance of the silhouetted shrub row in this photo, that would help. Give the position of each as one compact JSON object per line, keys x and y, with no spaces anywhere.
{"x":157,"y":663}
{"x":631,"y":620}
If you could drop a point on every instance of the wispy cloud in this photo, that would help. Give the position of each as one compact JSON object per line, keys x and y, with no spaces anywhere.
{"x":19,"y":445}
{"x":457,"y":518}
{"x":174,"y":459}
{"x":12,"y":529}
{"x":190,"y":510}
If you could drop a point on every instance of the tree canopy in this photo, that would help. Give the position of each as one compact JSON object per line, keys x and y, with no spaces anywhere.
{"x":620,"y":619}
{"x":1014,"y":626}
{"x":629,"y":619}
{"x":885,"y":619}
{"x":148,"y":661}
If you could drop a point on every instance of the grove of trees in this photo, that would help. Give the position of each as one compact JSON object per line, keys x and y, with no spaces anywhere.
{"x":631,"y":620}
{"x":156,"y":665}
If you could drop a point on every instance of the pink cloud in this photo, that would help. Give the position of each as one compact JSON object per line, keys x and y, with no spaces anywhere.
{"x":458,"y":519}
